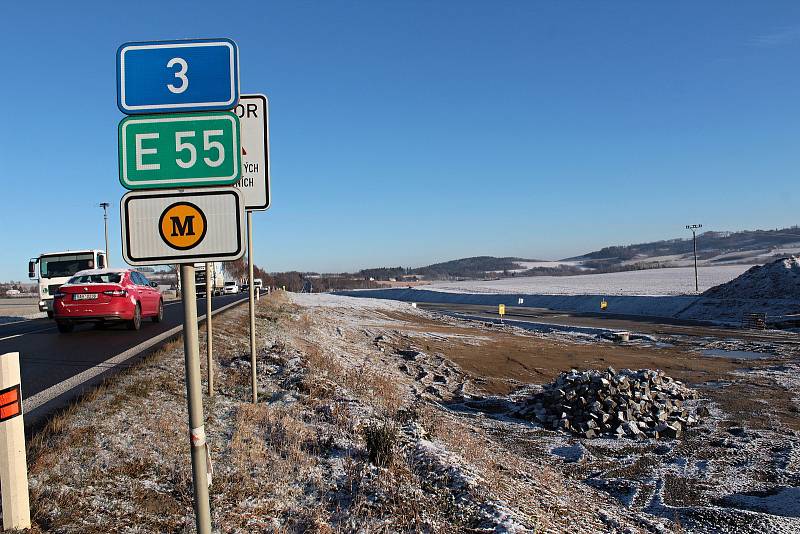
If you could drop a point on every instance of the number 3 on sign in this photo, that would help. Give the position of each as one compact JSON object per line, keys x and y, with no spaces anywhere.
{"x":177,"y":76}
{"x":180,"y":74}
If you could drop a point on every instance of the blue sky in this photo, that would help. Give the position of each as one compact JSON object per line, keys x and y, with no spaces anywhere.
{"x":404,"y":133}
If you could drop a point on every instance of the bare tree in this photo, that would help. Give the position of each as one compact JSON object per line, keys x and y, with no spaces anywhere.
{"x":236,"y":269}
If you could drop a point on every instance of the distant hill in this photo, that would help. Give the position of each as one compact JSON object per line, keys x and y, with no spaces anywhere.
{"x":713,"y":248}
{"x":475,"y":267}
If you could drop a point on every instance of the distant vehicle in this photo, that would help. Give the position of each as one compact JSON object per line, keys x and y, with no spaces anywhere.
{"x":103,"y":296}
{"x":217,"y":279}
{"x":55,"y":268}
{"x":230,"y":288}
{"x":244,"y":287}
{"x":13,"y":293}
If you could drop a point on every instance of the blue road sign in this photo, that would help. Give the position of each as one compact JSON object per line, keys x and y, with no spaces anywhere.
{"x":184,"y":75}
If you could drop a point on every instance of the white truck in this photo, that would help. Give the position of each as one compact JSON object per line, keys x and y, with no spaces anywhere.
{"x":217,"y":279}
{"x":52,"y":269}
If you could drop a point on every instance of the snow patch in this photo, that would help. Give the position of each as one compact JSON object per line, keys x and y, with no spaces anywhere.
{"x":326,"y":300}
{"x":784,"y":501}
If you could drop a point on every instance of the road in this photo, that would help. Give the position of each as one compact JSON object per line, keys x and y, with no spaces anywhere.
{"x":48,"y":358}
{"x":631,"y":323}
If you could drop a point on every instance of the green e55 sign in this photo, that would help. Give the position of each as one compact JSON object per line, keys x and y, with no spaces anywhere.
{"x":179,"y":150}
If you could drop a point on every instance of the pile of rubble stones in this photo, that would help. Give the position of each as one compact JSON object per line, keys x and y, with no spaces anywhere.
{"x":637,"y":404}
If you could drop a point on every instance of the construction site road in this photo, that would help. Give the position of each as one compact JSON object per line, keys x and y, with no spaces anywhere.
{"x":629,"y":323}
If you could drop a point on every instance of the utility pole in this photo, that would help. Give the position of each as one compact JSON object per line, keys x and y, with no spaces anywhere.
{"x":105,"y":206}
{"x":693,"y":228}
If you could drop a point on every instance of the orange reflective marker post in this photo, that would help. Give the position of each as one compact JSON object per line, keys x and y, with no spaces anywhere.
{"x":10,"y":405}
{"x":13,"y":464}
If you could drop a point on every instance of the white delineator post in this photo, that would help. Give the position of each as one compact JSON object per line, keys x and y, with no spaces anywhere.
{"x":13,"y":464}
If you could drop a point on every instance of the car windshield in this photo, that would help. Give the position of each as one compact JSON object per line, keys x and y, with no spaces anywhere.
{"x":66,"y":265}
{"x":230,"y":283}
{"x":106,"y":278}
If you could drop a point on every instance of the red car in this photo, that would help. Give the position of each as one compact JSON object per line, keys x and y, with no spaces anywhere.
{"x":103,"y":296}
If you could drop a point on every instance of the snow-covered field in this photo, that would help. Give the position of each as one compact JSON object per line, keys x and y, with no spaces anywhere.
{"x":525,"y":265}
{"x":535,"y":264}
{"x":674,"y":281}
{"x":323,"y":300}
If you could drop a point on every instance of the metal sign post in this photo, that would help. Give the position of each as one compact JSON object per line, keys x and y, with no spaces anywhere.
{"x":209,"y":349}
{"x":197,"y":431}
{"x":253,"y":113}
{"x":189,"y":140}
{"x":252,"y":306}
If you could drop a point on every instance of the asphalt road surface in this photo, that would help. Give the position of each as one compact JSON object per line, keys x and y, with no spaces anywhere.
{"x":48,"y":358}
{"x":631,"y":323}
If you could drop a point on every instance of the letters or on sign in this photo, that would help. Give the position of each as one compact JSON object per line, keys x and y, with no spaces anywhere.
{"x":179,"y":150}
{"x":185,"y":75}
{"x":182,"y":226}
{"x":501,"y":309}
{"x":253,"y":113}
{"x":10,"y":403}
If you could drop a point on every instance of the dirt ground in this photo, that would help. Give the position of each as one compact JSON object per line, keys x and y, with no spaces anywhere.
{"x":741,"y":463}
{"x":511,"y":357}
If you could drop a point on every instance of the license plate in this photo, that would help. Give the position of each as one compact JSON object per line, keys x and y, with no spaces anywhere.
{"x":84,"y":296}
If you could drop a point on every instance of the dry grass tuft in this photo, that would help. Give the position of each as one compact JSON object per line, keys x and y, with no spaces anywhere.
{"x":381,"y":440}
{"x":364,"y":381}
